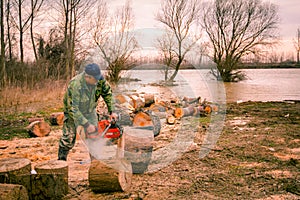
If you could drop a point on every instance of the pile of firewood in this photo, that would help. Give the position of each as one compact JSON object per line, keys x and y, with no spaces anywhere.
{"x":136,"y":105}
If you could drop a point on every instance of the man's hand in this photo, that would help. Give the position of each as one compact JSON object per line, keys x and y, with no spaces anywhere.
{"x":113,"y":117}
{"x":91,"y":128}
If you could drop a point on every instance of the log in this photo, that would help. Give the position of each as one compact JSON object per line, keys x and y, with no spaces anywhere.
{"x":142,"y":119}
{"x":13,"y":191}
{"x":110,"y":175}
{"x":138,"y":146}
{"x":120,"y":98}
{"x":182,"y":112}
{"x":124,"y":117}
{"x":138,"y":102}
{"x":149,"y":99}
{"x":53,"y":167}
{"x":57,"y":118}
{"x":157,"y":108}
{"x":38,"y":129}
{"x":44,"y":186}
{"x":149,"y":120}
{"x":171,"y":119}
{"x":12,"y":167}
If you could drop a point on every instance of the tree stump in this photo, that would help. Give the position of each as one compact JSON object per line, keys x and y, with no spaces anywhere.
{"x":12,"y":167}
{"x":138,"y":146}
{"x":38,"y":129}
{"x":13,"y":191}
{"x":57,"y":118}
{"x":53,"y":167}
{"x":110,"y":175}
{"x":44,"y":186}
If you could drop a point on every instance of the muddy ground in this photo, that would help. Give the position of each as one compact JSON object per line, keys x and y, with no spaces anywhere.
{"x":256,"y":157}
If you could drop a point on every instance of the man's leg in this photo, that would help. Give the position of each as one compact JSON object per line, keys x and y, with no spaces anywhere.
{"x":67,"y":140}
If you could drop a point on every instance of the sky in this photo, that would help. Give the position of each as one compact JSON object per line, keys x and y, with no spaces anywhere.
{"x":288,"y":10}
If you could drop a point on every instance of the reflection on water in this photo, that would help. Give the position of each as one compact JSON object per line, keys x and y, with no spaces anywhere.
{"x":261,"y":85}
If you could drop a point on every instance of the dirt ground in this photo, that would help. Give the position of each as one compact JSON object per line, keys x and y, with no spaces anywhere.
{"x":256,"y":157}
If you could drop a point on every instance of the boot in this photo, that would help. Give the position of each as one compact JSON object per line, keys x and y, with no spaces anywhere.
{"x":62,"y":154}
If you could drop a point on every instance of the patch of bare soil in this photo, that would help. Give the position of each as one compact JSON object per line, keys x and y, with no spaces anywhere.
{"x":257,"y":157}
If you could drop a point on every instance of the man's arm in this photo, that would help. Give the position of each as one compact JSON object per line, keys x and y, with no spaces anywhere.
{"x":104,"y":90}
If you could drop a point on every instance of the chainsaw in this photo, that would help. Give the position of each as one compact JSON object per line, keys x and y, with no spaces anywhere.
{"x":106,"y":129}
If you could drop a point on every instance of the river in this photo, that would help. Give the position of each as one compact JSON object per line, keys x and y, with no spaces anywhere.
{"x":260,"y":85}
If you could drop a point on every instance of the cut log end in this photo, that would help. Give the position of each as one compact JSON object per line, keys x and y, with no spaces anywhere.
{"x":57,"y":118}
{"x":38,"y":129}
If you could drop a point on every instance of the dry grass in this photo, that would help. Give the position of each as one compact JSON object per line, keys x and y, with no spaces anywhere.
{"x":46,"y":96}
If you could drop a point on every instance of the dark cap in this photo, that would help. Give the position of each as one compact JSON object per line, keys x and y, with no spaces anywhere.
{"x":93,"y":70}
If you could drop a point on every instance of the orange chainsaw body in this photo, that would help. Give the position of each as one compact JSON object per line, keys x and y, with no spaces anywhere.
{"x":112,"y":132}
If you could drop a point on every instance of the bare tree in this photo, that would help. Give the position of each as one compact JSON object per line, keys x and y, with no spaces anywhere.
{"x":114,"y":37}
{"x":35,"y":8}
{"x":297,"y":45}
{"x":165,"y":45}
{"x":2,"y":58}
{"x":178,"y":16}
{"x":73,"y":12}
{"x":9,"y":40}
{"x":237,"y":28}
{"x":21,"y":20}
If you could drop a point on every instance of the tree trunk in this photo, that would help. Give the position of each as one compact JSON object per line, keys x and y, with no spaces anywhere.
{"x":2,"y":58}
{"x":38,"y":129}
{"x":12,"y":167}
{"x":13,"y":191}
{"x":21,"y":31}
{"x":8,"y":30}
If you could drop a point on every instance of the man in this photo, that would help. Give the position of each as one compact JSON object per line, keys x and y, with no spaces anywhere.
{"x":80,"y":102}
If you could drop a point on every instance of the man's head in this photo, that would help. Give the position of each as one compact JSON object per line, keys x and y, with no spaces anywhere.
{"x":92,"y":74}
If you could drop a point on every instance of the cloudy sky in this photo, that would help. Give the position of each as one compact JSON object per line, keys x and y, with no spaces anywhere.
{"x":289,"y":13}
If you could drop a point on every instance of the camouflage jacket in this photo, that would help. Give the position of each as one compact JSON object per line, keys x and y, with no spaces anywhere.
{"x":104,"y":90}
{"x":79,"y":101}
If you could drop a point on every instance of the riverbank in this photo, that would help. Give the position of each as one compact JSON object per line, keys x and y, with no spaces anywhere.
{"x":256,"y":157}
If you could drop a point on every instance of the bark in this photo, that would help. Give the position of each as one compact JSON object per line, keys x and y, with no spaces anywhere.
{"x":110,"y":175}
{"x":13,"y":191}
{"x":10,"y":168}
{"x":138,"y":146}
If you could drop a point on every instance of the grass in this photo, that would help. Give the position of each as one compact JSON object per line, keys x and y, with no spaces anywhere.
{"x":18,"y":104}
